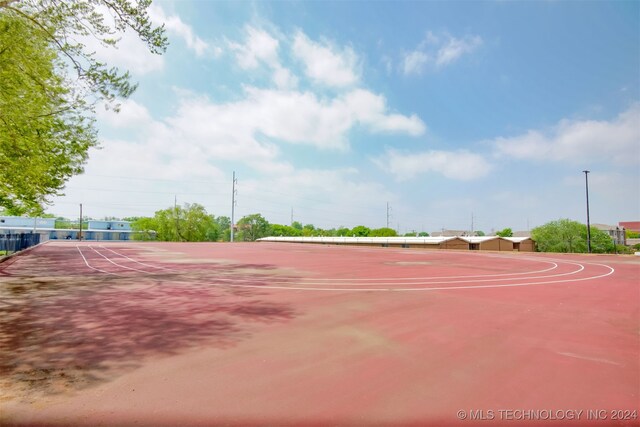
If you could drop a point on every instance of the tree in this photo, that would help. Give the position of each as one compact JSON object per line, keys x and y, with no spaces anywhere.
{"x":360,"y":231}
{"x":343,"y":231}
{"x":308,"y":230}
{"x":46,"y":115}
{"x":383,"y":232}
{"x":43,"y":140}
{"x":190,"y":223}
{"x":565,"y":235}
{"x":284,"y":230}
{"x":507,"y":232}
{"x":481,"y":233}
{"x":144,"y":228}
{"x":253,"y":227}
{"x":224,"y":225}
{"x":297,"y":225}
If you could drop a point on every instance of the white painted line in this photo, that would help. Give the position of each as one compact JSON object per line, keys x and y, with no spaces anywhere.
{"x":448,"y":288}
{"x":138,"y":262}
{"x":115,"y":263}
{"x":93,"y":268}
{"x":553,"y":267}
{"x":348,"y":282}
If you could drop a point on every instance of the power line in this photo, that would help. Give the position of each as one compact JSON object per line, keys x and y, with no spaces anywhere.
{"x":153,"y":179}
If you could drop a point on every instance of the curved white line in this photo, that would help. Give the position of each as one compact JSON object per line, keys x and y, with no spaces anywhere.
{"x":93,"y":268}
{"x":363,"y":289}
{"x":311,"y":280}
{"x":347,"y":282}
{"x":115,"y":263}
{"x":508,"y":285}
{"x":138,"y":262}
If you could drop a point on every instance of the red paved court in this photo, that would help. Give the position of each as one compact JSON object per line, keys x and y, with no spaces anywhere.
{"x":275,"y":334}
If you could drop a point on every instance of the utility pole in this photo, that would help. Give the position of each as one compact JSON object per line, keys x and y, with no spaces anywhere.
{"x":233,"y":201}
{"x":175,"y":212}
{"x":388,"y":214}
{"x":291,"y":217}
{"x":80,"y":230}
{"x":586,"y":182}
{"x":472,"y":223}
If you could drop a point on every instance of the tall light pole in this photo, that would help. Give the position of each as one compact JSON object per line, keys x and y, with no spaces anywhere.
{"x":233,"y":202}
{"x":586,"y":183}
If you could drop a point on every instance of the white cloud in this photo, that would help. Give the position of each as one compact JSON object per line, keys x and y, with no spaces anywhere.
{"x":326,"y":64}
{"x":131,"y":115}
{"x":130,"y":54}
{"x":247,"y":131}
{"x":438,"y":51}
{"x":302,"y":117}
{"x":370,"y":109}
{"x":260,"y":47}
{"x":460,"y":165}
{"x":579,"y":141}
{"x":414,"y":62}
{"x":174,"y":24}
{"x":455,"y":48}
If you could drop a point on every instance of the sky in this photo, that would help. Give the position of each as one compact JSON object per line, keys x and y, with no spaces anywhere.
{"x":419,"y":115}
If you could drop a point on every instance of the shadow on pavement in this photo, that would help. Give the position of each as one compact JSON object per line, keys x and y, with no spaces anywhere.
{"x":71,"y":329}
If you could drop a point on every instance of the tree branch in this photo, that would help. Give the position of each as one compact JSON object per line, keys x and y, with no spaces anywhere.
{"x":76,"y":65}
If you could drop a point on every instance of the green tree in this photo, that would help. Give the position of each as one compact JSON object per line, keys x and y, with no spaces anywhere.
{"x":343,"y":231}
{"x":309,"y":230}
{"x":360,"y":231}
{"x":297,"y":225}
{"x":383,"y":232}
{"x":252,"y":227}
{"x":507,"y":232}
{"x":481,"y":233}
{"x":565,"y":235}
{"x":196,"y":225}
{"x":43,"y":139}
{"x":46,"y":114}
{"x":190,"y":223}
{"x":144,"y":228}
{"x":224,"y":225}
{"x":284,"y":230}
{"x":423,"y":234}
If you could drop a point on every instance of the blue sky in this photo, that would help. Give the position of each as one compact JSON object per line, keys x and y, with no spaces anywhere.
{"x":329,"y":110}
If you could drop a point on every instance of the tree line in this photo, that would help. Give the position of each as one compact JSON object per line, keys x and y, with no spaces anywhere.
{"x":192,"y":223}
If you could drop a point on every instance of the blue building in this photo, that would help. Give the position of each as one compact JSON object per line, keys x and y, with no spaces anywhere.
{"x":96,"y":230}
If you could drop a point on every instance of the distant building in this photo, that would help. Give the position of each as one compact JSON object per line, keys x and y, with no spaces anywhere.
{"x":25,"y":222}
{"x":109,"y":225}
{"x":96,"y":230}
{"x":616,"y":233}
{"x":486,"y":243}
